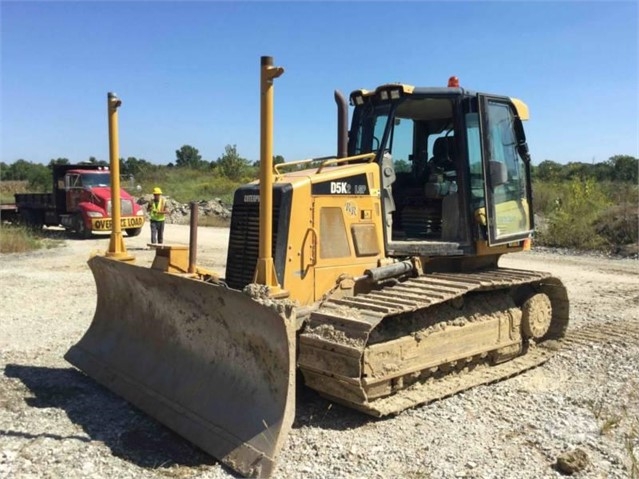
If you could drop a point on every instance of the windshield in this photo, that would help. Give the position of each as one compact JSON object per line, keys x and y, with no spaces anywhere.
{"x":95,"y":179}
{"x":418,"y":123}
{"x":370,"y":128}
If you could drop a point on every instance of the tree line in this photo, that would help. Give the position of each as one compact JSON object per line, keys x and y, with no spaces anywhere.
{"x":618,"y":168}
{"x":231,"y":165}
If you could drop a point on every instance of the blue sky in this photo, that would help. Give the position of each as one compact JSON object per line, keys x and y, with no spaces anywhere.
{"x":188,"y":73}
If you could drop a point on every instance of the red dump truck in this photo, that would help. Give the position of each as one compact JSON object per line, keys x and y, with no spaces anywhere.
{"x":81,"y":202}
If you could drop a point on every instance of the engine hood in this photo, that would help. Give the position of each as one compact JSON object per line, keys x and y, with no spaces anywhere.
{"x":105,"y":193}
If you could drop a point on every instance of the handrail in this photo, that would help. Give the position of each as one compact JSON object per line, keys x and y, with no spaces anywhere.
{"x":276,"y":168}
{"x":365,"y":156}
{"x":326,"y":161}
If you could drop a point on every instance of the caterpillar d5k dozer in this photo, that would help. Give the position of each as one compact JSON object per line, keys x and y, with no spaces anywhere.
{"x":374,"y":271}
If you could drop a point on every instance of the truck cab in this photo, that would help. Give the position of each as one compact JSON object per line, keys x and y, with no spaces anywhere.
{"x":83,"y":201}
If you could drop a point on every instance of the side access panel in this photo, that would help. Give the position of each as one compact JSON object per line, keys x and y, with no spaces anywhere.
{"x":210,"y":363}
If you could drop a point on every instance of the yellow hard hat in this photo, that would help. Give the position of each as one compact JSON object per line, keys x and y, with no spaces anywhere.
{"x":157,"y":191}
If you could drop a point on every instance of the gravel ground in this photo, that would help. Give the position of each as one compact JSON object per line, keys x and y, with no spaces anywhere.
{"x":56,"y":422}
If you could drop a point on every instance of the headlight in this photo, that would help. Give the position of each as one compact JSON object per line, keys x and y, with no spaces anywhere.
{"x":140,"y":212}
{"x":94,"y":214}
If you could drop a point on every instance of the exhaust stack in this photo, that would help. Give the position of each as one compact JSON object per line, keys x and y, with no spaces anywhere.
{"x":342,"y":125}
{"x":265,"y":270}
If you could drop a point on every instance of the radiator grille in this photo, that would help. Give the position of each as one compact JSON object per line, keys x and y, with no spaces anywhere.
{"x":244,"y":237}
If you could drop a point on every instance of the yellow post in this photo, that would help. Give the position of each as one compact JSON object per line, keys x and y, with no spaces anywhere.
{"x":117,"y":250}
{"x":265,"y":270}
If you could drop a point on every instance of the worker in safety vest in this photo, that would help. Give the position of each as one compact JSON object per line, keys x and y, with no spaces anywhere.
{"x":157,"y":212}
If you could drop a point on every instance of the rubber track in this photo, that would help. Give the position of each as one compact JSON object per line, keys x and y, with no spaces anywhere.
{"x":355,"y":317}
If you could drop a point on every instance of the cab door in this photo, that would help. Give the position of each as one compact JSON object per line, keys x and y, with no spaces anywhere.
{"x":73,"y":187}
{"x":506,"y":166}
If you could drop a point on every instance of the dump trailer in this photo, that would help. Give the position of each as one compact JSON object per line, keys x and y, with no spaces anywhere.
{"x":80,"y":202}
{"x":374,"y":272}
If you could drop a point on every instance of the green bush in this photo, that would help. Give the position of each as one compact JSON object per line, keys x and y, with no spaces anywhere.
{"x":231,"y":164}
{"x":547,"y":195}
{"x":571,"y":223}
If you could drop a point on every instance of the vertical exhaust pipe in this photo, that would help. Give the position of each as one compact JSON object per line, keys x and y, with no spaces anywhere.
{"x":265,"y":270}
{"x":116,"y":250}
{"x":342,"y":125}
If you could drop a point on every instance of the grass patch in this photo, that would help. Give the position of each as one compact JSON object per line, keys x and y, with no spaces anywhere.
{"x":185,"y":185}
{"x":18,"y":239}
{"x":21,"y":239}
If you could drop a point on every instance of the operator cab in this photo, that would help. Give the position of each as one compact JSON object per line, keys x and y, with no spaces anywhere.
{"x":454,"y":167}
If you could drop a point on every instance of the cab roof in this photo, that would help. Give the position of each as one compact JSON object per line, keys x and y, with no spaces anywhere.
{"x":397,"y":90}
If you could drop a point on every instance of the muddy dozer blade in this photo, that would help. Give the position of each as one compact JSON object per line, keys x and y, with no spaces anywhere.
{"x":210,"y":363}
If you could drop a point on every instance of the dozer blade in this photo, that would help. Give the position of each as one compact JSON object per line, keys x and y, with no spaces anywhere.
{"x":210,"y":363}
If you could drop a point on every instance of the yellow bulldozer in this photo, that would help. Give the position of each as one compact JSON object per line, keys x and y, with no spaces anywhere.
{"x":374,"y":272}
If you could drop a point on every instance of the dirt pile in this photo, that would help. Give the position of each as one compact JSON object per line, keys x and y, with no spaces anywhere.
{"x":180,"y":213}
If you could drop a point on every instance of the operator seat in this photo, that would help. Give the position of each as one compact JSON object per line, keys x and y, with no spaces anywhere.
{"x":441,"y":171}
{"x":441,"y":185}
{"x":443,"y":154}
